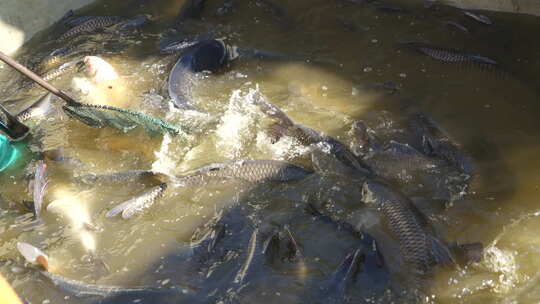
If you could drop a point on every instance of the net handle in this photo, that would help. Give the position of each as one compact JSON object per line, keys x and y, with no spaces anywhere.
{"x":34,"y":77}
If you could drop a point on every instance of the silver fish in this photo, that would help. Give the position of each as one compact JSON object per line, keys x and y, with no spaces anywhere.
{"x":478,"y":17}
{"x":139,"y":203}
{"x":253,"y":171}
{"x":40,"y":186}
{"x":81,"y":289}
{"x":38,"y":109}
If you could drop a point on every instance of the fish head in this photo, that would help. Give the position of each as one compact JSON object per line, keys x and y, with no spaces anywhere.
{"x":99,"y":69}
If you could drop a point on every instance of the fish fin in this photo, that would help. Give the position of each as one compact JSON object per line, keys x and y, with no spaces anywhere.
{"x":470,"y":252}
{"x":441,"y":253}
{"x":9,"y":124}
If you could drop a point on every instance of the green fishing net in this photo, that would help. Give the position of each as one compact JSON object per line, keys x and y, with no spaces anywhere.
{"x":101,"y":116}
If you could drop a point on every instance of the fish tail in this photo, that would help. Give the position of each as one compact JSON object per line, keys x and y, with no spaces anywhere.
{"x":440,"y":252}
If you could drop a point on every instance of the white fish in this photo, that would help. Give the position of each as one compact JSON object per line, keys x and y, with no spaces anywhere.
{"x":33,"y":255}
{"x":99,"y":69}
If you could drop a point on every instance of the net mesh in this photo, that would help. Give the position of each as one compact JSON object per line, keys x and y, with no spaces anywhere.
{"x":101,"y":116}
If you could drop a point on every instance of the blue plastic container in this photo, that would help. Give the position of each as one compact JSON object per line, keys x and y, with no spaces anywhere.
{"x":8,"y":153}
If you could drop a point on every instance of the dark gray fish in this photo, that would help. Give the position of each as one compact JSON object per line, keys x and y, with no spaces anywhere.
{"x":388,"y":7}
{"x":478,"y":17}
{"x":434,"y":142}
{"x":74,"y":21}
{"x":205,"y":238}
{"x":252,"y":171}
{"x":207,"y":55}
{"x":81,"y":289}
{"x":38,"y":109}
{"x":449,"y":55}
{"x":91,"y":25}
{"x":457,"y":25}
{"x":308,"y":137}
{"x":276,"y":11}
{"x":345,"y":275}
{"x":116,"y":177}
{"x":421,"y":250}
{"x":226,"y":7}
{"x":10,"y":125}
{"x":134,"y":22}
{"x":282,"y":246}
{"x":192,"y":9}
{"x":40,"y":186}
{"x":139,"y":203}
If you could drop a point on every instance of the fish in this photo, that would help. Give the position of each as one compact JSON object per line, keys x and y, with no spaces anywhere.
{"x":99,"y":69}
{"x":248,"y":170}
{"x":139,"y":203}
{"x":282,"y":246}
{"x":252,"y":250}
{"x":74,"y":65}
{"x":478,"y":17}
{"x":421,"y":250}
{"x":457,"y":25}
{"x":135,"y":22}
{"x":59,"y":56}
{"x":226,"y":7}
{"x":33,"y":255}
{"x":38,"y":109}
{"x":116,"y":177}
{"x":277,"y":12}
{"x":90,"y":25}
{"x":10,"y":125}
{"x":449,"y":55}
{"x":192,"y":9}
{"x":308,"y":137}
{"x":40,"y":186}
{"x":206,"y":55}
{"x":82,"y":289}
{"x":432,"y":141}
{"x":207,"y":237}
{"x":344,"y":276}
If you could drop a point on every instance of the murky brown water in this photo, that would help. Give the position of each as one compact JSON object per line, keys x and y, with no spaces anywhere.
{"x":491,"y":113}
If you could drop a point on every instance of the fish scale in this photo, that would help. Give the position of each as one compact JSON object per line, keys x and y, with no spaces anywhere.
{"x":421,"y":250}
{"x":91,"y":25}
{"x":252,"y":171}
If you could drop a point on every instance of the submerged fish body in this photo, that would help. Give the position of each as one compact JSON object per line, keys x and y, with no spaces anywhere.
{"x":207,"y":55}
{"x":478,"y":17}
{"x":91,"y":25}
{"x":421,"y":250}
{"x":74,"y":65}
{"x":40,"y":186}
{"x":252,"y":171}
{"x":449,"y":55}
{"x":82,"y":289}
{"x":139,"y":203}
{"x":432,"y":141}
